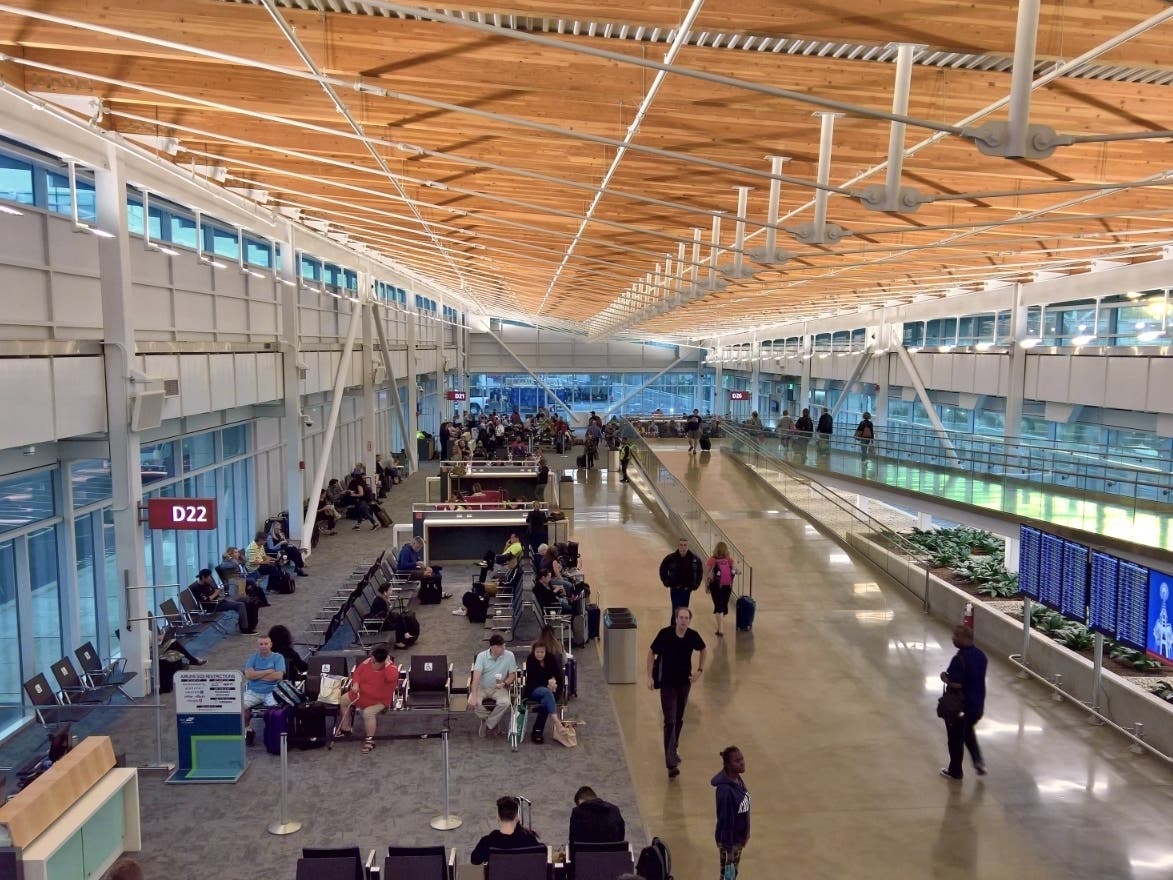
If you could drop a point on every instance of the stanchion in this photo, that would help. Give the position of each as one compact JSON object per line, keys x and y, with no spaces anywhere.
{"x":447,"y":821}
{"x":284,"y":825}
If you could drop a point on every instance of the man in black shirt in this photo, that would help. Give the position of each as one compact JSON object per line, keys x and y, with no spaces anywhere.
{"x":692,"y":430}
{"x":674,"y":646}
{"x":681,"y":572}
{"x":213,"y":599}
{"x":593,"y":820}
{"x":509,"y":834}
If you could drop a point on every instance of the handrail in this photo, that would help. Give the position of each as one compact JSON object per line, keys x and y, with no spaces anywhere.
{"x":658,"y":477}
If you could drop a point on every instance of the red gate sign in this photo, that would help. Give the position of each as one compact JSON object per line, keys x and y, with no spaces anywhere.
{"x":181,"y":513}
{"x":740,"y":395}
{"x":457,"y":395}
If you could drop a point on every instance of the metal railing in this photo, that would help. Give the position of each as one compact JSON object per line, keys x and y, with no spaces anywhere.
{"x":686,"y":516}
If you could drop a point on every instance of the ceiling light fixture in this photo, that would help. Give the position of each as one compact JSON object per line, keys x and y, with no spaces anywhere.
{"x":5,"y":209}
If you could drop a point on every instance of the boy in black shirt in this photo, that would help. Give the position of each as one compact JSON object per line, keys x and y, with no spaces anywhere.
{"x":509,"y":834}
{"x":674,"y":646}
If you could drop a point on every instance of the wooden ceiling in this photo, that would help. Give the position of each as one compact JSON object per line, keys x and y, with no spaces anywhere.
{"x":496,"y":145}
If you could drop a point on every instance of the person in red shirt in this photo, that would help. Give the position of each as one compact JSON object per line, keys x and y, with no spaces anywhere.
{"x":372,"y":690}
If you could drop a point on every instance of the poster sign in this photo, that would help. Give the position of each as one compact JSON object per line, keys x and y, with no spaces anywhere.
{"x":457,"y":395}
{"x":181,"y":513}
{"x":209,"y":726}
{"x":740,"y":395}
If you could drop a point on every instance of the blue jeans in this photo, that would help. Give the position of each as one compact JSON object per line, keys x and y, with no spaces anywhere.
{"x":547,"y":706}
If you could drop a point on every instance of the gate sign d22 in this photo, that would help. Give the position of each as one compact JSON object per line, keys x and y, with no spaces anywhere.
{"x":740,"y":395}
{"x":181,"y":513}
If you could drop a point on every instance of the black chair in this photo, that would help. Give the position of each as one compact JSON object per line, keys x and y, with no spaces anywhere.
{"x":419,"y":863}
{"x":429,"y":682}
{"x":96,"y":673}
{"x":180,"y":625}
{"x":49,"y":709}
{"x":198,"y":615}
{"x":342,"y":863}
{"x":323,"y":664}
{"x":524,"y":863}
{"x":600,"y":861}
{"x":74,"y":690}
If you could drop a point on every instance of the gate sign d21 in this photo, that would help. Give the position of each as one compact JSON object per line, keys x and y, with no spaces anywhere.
{"x":181,"y":513}
{"x":457,"y":395}
{"x":740,"y":395}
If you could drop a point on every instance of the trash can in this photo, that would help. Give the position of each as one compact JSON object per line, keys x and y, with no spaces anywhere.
{"x":424,"y":448}
{"x":620,"y":661}
{"x":566,"y":492}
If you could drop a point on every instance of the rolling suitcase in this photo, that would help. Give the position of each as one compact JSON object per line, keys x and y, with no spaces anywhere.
{"x":571,"y":677}
{"x":746,"y":608}
{"x":276,"y":723}
{"x":312,"y":726}
{"x":580,"y":461}
{"x":594,"y":619}
{"x":381,"y":515}
{"x":706,"y":443}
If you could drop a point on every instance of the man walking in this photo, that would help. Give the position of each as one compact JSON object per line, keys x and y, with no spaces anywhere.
{"x":692,"y":429}
{"x":624,"y":459}
{"x":674,"y":646}
{"x":681,"y":572}
{"x":966,"y":673}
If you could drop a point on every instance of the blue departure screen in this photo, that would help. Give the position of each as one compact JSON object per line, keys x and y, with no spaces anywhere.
{"x":1073,"y":596}
{"x":1028,"y":561}
{"x":1102,"y":617}
{"x":1051,"y":571}
{"x":1132,"y":604}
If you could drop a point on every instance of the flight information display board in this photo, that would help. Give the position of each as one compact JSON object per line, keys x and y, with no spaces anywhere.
{"x":1028,"y":561}
{"x":1132,"y":604}
{"x":1159,"y":629}
{"x":1073,"y":596}
{"x":1051,"y":571}
{"x":1102,"y":611}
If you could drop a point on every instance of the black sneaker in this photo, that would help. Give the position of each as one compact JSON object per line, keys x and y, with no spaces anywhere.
{"x":250,"y":737}
{"x":980,"y":769}
{"x":945,"y":772}
{"x":673,"y":772}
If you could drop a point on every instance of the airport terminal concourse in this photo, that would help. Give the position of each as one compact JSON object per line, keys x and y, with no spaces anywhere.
{"x":381,"y":380}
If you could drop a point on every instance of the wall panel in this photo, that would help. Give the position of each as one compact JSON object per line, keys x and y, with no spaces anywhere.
{"x":79,"y":396}
{"x":193,"y":382}
{"x":1087,"y":381}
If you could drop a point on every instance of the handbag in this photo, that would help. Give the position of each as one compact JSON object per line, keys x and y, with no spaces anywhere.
{"x":564,"y":733}
{"x":332,"y":689}
{"x":951,"y":705}
{"x":657,"y":670}
{"x":287,"y":694}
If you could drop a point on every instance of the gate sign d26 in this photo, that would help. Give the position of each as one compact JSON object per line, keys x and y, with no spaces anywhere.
{"x":181,"y":513}
{"x":740,"y":395}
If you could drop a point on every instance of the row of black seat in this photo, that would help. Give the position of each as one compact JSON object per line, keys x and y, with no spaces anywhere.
{"x":96,"y":683}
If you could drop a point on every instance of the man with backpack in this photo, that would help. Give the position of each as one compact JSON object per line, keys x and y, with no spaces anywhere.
{"x":681,"y":572}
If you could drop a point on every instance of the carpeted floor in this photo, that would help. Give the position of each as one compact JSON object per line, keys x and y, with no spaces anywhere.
{"x":343,"y":797}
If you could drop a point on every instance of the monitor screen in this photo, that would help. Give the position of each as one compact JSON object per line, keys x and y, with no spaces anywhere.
{"x":1028,"y":561}
{"x":1051,"y":571}
{"x":1159,"y":641}
{"x":1102,"y":617}
{"x":1073,"y":596}
{"x":1132,"y":605}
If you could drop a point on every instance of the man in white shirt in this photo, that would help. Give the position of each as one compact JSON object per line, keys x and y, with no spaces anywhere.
{"x":493,"y":674}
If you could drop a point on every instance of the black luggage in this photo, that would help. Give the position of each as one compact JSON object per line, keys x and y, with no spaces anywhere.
{"x":706,"y":443}
{"x":407,"y":630}
{"x":477,"y":606}
{"x":580,"y":461}
{"x":431,"y":593}
{"x":571,"y":677}
{"x":594,"y":619}
{"x":746,"y":608}
{"x":381,"y":515}
{"x":655,"y":861}
{"x":281,"y":582}
{"x":312,"y":726}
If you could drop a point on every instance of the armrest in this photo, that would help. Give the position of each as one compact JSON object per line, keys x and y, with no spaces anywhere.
{"x":373,"y":871}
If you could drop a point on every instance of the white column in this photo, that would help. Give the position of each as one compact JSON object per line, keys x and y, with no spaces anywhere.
{"x":289,"y":294}
{"x":1016,"y":380}
{"x":804,"y":381}
{"x":880,"y":412}
{"x":412,"y":394}
{"x":720,"y":398}
{"x":368,"y":373}
{"x":1013,"y":548}
{"x":125,"y":471}
{"x":755,"y":379}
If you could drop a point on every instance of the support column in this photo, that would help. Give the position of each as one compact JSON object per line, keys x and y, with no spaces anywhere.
{"x":412,"y":393}
{"x":368,"y":377}
{"x":804,"y":381}
{"x":880,"y":411}
{"x":720,"y":398}
{"x":292,"y":425}
{"x":755,"y":378}
{"x":125,"y":471}
{"x":393,"y":386}
{"x":1016,"y":380}
{"x":926,"y":401}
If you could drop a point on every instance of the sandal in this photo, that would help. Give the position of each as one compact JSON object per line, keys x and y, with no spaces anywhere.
{"x":343,"y":734}
{"x":368,"y":745}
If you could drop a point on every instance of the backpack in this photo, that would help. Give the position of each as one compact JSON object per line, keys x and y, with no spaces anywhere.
{"x":655,"y":861}
{"x":723,"y":572}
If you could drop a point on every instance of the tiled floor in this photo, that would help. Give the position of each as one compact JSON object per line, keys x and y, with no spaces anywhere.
{"x":832,"y":699}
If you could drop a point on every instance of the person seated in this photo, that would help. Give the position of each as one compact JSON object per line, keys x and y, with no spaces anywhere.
{"x":593,"y":820}
{"x":549,"y":560}
{"x":257,"y":562}
{"x":262,"y":671}
{"x":509,"y":834}
{"x":507,"y":577}
{"x":513,"y":546}
{"x":282,"y":641}
{"x":213,"y":600}
{"x":410,"y":562}
{"x":276,"y":544}
{"x":372,"y":690}
{"x":548,"y":595}
{"x":326,"y":515}
{"x":493,"y":673}
{"x":545,"y":683}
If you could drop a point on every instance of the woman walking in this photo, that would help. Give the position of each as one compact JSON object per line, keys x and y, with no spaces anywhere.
{"x":719,"y":572}
{"x":732,"y":811}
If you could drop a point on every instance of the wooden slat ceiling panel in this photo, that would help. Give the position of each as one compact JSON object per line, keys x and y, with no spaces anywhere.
{"x":508,"y":231}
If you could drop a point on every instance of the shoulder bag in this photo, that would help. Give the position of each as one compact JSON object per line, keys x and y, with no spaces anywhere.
{"x":332,"y":689}
{"x":951,"y":704}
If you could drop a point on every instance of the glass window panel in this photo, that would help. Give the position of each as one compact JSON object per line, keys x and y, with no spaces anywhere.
{"x":221,"y":242}
{"x":157,"y":462}
{"x":10,"y":665}
{"x":87,"y":208}
{"x":83,"y":542}
{"x":990,"y":424}
{"x":91,"y":481}
{"x":914,"y":334}
{"x":234,"y":440}
{"x":134,"y":216}
{"x":42,"y":550}
{"x":57,"y":191}
{"x":258,"y":253}
{"x":1036,"y":429}
{"x":183,"y":229}
{"x":199,"y":451}
{"x":26,"y":499}
{"x":159,"y":223}
{"x":311,"y":270}
{"x":1088,"y":437}
{"x":16,"y":180}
